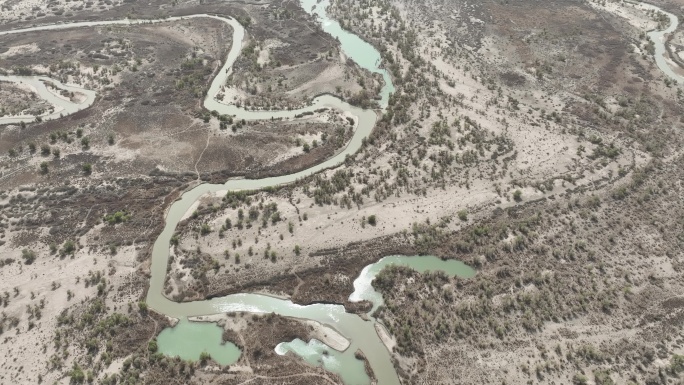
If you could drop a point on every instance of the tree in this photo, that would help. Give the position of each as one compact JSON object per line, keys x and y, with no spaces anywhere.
{"x":45,"y":150}
{"x":297,"y":250}
{"x":44,"y":168}
{"x":110,"y":139}
{"x":87,"y":168}
{"x":79,"y":132}
{"x":517,"y":195}
{"x":372,"y":220}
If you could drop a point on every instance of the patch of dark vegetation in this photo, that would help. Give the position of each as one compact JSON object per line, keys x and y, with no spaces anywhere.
{"x":547,"y":264}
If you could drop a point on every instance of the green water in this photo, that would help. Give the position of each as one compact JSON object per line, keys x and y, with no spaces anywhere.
{"x":317,"y":353}
{"x":345,"y":363}
{"x":658,"y":38}
{"x":364,"y":54}
{"x":363,"y":289}
{"x":188,"y":340}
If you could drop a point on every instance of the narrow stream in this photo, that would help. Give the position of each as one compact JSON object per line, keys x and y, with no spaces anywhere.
{"x":659,"y":38}
{"x":63,"y":106}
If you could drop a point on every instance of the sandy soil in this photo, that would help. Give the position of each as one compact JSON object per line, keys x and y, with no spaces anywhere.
{"x":509,"y":98}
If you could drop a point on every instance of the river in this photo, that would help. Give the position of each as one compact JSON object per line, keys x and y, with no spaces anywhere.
{"x":658,"y":37}
{"x":361,"y":333}
{"x":189,"y":339}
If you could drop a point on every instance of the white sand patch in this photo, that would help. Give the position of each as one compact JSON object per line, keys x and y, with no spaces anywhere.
{"x":328,"y":336}
{"x":634,"y":14}
{"x":20,"y":50}
{"x":384,"y":335}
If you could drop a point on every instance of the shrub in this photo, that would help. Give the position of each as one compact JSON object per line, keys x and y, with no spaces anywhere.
{"x":142,"y":306}
{"x":579,"y":379}
{"x":602,"y":377}
{"x":152,"y":346}
{"x":372,"y":220}
{"x":69,"y":247}
{"x":463,"y":215}
{"x":205,"y":229}
{"x":28,"y":255}
{"x":677,"y":364}
{"x":76,"y":374}
{"x":517,"y":195}
{"x":117,"y":217}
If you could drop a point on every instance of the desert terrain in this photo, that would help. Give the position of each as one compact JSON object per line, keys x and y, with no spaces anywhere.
{"x":539,"y":143}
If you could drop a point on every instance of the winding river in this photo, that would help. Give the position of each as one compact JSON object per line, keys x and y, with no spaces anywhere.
{"x":659,"y":37}
{"x":190,"y":339}
{"x":361,"y":334}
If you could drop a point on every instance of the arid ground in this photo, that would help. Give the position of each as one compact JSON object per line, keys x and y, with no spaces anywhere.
{"x":538,"y":142}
